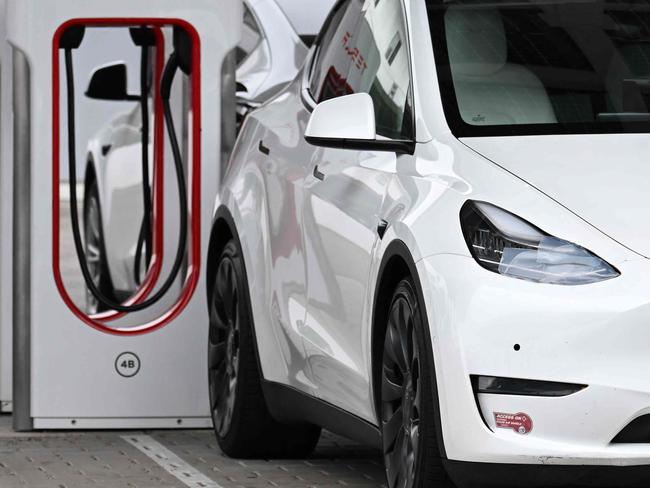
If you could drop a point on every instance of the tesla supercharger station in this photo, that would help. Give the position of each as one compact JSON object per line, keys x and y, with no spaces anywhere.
{"x":144,"y":368}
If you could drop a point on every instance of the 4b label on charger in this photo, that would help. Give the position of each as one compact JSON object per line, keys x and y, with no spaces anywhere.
{"x":127,"y":364}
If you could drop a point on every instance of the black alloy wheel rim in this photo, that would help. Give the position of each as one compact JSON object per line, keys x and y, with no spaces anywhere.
{"x":93,"y":252}
{"x":224,"y":346}
{"x":401,"y":396}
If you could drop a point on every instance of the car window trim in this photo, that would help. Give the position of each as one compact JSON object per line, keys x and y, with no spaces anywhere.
{"x":305,"y":93}
{"x":308,"y":99}
{"x":409,"y":51}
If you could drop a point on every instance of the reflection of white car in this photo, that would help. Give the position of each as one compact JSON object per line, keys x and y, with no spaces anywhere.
{"x":436,"y":239}
{"x":268,"y":57}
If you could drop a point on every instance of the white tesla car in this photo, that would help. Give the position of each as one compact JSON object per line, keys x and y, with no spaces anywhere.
{"x":436,"y":240}
{"x":268,"y":57}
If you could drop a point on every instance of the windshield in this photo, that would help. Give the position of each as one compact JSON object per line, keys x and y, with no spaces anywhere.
{"x":543,"y":67}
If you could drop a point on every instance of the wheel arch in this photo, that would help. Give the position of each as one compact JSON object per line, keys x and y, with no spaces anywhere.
{"x":223,"y":229}
{"x":90,"y":173}
{"x":397,"y":264}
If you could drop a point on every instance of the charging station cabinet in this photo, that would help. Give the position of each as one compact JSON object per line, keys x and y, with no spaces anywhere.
{"x":146,"y":369}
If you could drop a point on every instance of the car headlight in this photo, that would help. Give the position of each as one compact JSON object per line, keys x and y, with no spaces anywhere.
{"x":506,"y":244}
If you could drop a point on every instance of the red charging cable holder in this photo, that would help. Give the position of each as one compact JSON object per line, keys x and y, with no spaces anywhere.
{"x":99,"y":321}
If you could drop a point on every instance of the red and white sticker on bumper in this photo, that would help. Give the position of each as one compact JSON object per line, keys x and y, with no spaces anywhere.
{"x":521,"y":423}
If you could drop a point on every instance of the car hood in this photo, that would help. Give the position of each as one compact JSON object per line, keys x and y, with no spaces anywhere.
{"x":604,"y":179}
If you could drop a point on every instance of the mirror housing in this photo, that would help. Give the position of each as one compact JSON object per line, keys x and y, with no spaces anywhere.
{"x":110,"y":83}
{"x":348,"y":122}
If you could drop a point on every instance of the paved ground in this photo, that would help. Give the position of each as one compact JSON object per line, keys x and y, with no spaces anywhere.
{"x":111,"y":460}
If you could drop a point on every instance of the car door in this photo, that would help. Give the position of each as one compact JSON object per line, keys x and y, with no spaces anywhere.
{"x":342,"y":203}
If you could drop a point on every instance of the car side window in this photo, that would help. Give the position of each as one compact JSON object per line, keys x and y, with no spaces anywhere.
{"x":330,"y":69}
{"x":381,"y":67}
{"x":251,"y":36}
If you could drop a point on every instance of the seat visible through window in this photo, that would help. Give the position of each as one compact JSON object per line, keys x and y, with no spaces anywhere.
{"x":489,"y":89}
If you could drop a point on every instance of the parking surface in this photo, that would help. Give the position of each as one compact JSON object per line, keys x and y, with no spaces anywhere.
{"x":187,"y":458}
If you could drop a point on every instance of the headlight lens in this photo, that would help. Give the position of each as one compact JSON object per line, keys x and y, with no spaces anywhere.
{"x":506,"y":244}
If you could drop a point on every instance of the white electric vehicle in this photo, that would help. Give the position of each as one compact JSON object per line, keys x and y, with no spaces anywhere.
{"x":436,"y":240}
{"x":268,"y":57}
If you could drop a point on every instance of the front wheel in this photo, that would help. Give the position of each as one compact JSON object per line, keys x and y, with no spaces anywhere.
{"x":410,"y":445}
{"x":242,"y":423}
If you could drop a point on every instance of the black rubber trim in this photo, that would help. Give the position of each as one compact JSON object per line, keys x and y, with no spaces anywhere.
{"x":636,"y":432}
{"x":308,"y":39}
{"x":382,"y":227}
{"x":291,"y":406}
{"x":526,"y":387}
{"x":398,"y":248}
{"x":400,"y":147}
{"x":263,"y":149}
{"x":486,"y":475}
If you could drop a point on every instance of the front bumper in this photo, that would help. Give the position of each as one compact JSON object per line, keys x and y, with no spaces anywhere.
{"x":598,"y":335}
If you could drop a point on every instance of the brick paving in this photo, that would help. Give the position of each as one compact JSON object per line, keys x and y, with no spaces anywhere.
{"x":104,"y":460}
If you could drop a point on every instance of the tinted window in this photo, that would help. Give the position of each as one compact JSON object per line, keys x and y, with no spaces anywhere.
{"x":380,"y":66}
{"x":329,"y":74}
{"x":543,"y":66}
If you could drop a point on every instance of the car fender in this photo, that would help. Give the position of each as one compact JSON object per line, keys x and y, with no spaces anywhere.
{"x":241,"y":204}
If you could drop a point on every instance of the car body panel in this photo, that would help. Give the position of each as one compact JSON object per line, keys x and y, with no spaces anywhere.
{"x":277,"y":58}
{"x":260,"y":193}
{"x":594,"y":334}
{"x":613,"y":167}
{"x":571,"y":335}
{"x":339,"y":221}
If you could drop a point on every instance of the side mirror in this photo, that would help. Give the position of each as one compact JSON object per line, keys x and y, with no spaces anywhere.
{"x":348,"y":122}
{"x":110,"y":83}
{"x":348,"y":118}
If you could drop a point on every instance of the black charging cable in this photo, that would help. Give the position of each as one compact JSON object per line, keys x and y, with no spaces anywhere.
{"x":144,"y":37}
{"x":171,"y":68}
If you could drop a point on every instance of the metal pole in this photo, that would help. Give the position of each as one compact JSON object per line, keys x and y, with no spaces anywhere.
{"x":22,"y":419}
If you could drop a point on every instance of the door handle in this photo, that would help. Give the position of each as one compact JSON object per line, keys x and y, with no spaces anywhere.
{"x":318,"y":175}
{"x":263,"y":149}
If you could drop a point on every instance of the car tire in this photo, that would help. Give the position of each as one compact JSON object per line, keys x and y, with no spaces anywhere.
{"x":95,"y":250}
{"x":242,"y":423}
{"x":408,"y":410}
